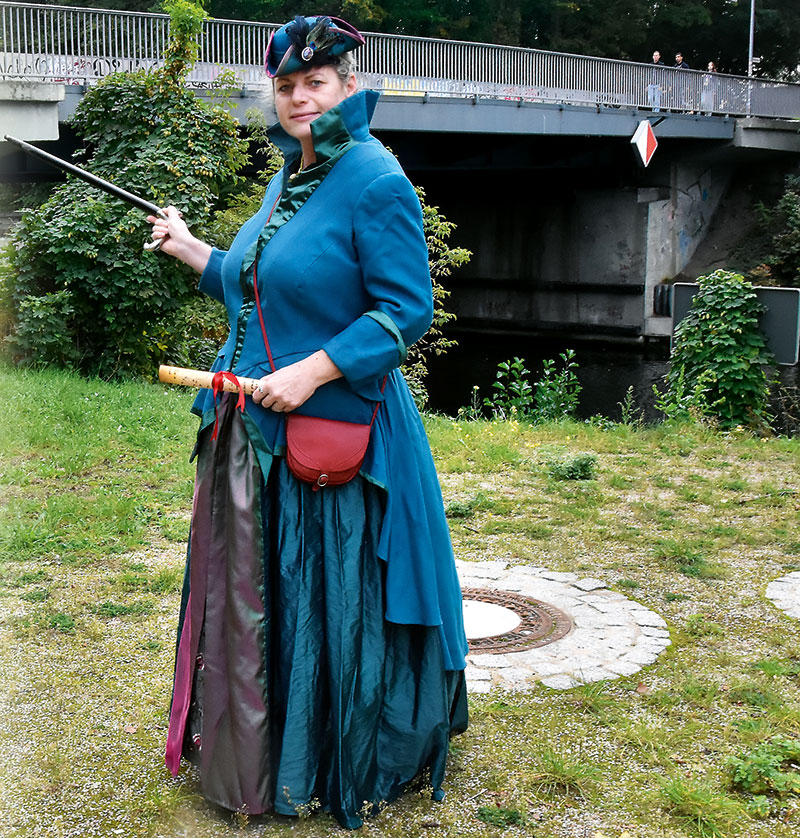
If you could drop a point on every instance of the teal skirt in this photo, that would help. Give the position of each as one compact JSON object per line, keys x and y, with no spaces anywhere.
{"x":292,"y":692}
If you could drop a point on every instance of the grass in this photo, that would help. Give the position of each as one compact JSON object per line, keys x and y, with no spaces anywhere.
{"x":95,"y":491}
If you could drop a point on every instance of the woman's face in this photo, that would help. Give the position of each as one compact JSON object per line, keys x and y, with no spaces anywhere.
{"x":302,"y":96}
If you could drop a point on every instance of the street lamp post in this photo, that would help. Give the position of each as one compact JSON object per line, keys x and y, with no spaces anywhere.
{"x":750,"y":54}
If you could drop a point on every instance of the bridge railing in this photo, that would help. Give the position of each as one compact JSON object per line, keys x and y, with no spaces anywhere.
{"x":79,"y":46}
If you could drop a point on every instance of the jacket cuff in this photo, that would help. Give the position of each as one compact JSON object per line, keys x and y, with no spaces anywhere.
{"x":391,"y":327}
{"x":364,"y":352}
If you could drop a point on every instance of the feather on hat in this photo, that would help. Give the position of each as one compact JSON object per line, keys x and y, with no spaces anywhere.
{"x":307,"y":42}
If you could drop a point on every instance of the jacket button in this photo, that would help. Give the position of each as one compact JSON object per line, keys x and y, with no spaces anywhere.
{"x":199,"y":662}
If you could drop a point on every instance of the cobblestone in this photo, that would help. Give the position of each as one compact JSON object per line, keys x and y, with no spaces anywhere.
{"x":785,"y":593}
{"x":612,"y":636}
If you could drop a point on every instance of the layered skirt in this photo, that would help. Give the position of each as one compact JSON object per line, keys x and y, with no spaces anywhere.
{"x":292,"y":692}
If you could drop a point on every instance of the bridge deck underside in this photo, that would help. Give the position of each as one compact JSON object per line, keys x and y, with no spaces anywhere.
{"x":540,"y":118}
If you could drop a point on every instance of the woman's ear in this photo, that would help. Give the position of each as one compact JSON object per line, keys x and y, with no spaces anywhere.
{"x":351,"y":85}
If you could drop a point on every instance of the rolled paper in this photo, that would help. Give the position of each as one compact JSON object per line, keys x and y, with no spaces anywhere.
{"x":202,"y":378}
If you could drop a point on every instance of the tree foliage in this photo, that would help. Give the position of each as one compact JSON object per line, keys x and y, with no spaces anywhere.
{"x":83,"y":292}
{"x":782,"y":223}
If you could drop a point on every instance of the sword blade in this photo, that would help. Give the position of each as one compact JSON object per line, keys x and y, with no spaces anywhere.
{"x":94,"y":180}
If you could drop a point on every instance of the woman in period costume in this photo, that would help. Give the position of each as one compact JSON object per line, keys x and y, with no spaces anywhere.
{"x":321,"y":644}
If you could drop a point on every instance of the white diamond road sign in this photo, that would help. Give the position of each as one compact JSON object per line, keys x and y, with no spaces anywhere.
{"x":644,"y":141}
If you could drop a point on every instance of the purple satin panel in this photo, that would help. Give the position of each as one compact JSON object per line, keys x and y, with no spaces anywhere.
{"x":219,"y":716}
{"x":181,"y":695}
{"x":190,"y":634}
{"x":234,"y":729}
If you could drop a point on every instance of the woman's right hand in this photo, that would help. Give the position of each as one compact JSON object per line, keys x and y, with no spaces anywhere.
{"x":178,"y":241}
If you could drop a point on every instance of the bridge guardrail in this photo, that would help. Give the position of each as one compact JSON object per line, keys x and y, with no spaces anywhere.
{"x":74,"y":45}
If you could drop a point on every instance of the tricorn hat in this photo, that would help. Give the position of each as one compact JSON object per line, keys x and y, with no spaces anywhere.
{"x":307,"y":42}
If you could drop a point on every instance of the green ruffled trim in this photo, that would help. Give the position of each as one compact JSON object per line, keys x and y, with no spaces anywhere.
{"x":330,"y":145}
{"x":331,"y":142}
{"x":263,"y":454}
{"x":391,"y":327}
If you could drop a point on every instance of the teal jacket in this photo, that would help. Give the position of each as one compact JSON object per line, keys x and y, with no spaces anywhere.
{"x":342,"y":265}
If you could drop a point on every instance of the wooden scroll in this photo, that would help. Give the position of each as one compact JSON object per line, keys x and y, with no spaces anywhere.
{"x":201,"y":378}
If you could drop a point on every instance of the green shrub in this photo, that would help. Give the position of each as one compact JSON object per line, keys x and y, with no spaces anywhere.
{"x":43,"y":323}
{"x":630,"y":413}
{"x":706,"y":812}
{"x":443,"y":260}
{"x":83,"y":293}
{"x":62,"y":622}
{"x":685,"y":557}
{"x":699,"y":625}
{"x":716,"y":366}
{"x":464,"y":508}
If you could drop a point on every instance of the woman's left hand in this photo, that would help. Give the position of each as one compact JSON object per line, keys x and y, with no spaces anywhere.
{"x":289,"y":387}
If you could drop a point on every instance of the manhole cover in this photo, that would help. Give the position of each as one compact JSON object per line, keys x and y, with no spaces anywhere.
{"x":537,"y":624}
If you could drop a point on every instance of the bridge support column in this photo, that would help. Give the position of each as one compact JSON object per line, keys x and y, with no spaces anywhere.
{"x":29,"y":110}
{"x":677,"y":221}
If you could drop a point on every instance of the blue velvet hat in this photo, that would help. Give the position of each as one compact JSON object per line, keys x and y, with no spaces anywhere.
{"x":307,"y":42}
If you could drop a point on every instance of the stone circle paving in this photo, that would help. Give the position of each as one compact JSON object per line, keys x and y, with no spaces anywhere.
{"x":785,"y":593}
{"x":597,"y":634}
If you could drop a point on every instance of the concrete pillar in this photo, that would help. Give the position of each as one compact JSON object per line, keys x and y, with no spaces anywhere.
{"x":677,"y":222}
{"x":29,"y":110}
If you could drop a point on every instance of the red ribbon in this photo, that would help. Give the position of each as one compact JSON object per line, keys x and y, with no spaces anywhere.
{"x":216,"y":388}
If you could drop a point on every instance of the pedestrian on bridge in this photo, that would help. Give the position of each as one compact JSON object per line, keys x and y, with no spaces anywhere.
{"x":321,"y":648}
{"x":656,"y":82}
{"x":684,"y":94}
{"x":709,"y":95}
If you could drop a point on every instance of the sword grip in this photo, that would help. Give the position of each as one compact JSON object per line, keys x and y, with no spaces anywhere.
{"x":154,"y":245}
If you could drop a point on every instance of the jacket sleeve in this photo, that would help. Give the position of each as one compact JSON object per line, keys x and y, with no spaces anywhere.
{"x":393,"y":257}
{"x":211,"y":278}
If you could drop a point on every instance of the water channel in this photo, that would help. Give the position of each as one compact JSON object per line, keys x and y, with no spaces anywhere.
{"x":605,"y":371}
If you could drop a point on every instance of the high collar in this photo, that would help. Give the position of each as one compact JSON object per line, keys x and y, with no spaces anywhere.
{"x":332,"y":130}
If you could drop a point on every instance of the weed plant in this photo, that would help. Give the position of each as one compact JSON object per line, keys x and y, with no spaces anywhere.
{"x":557,"y":391}
{"x":770,"y":772}
{"x":552,"y":398}
{"x":575,"y":467}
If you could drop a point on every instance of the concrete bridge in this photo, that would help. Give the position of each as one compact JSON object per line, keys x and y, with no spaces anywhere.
{"x":527,"y":151}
